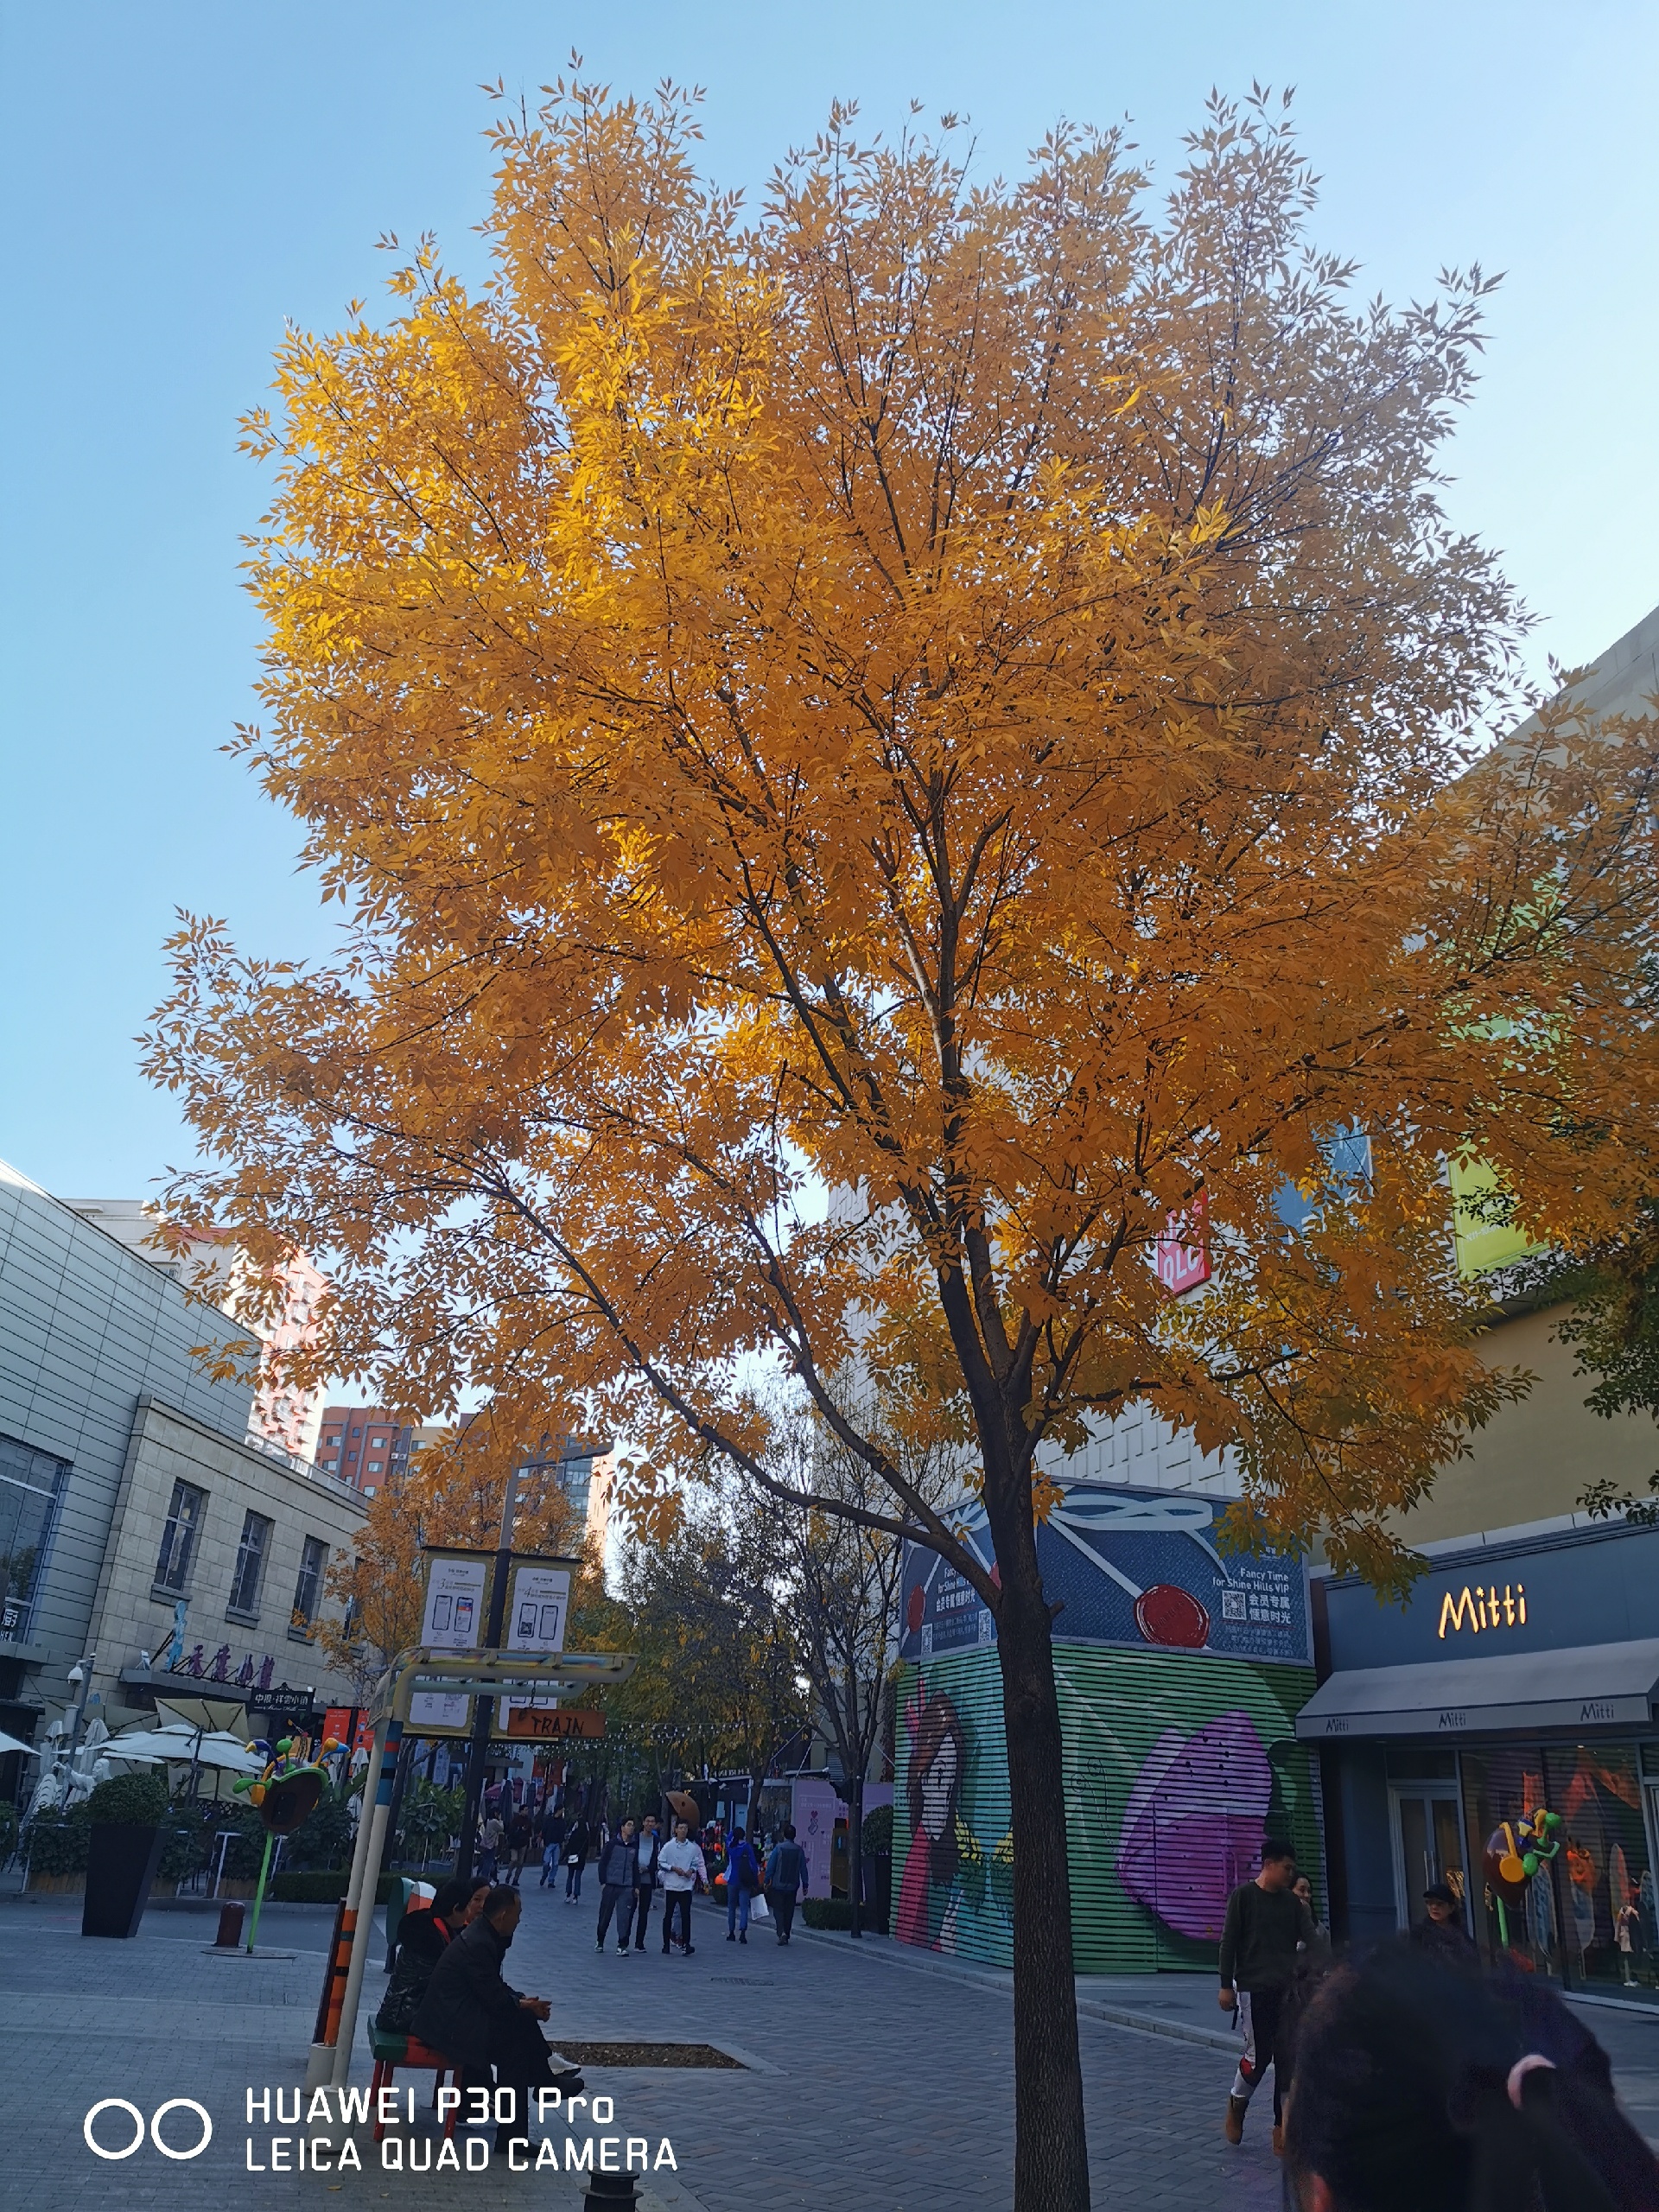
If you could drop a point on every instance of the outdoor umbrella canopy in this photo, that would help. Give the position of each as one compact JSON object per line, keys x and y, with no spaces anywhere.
{"x":224,"y":1715}
{"x":180,"y":1744}
{"x":16,"y":1744}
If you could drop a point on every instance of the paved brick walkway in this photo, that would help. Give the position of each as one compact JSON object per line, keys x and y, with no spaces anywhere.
{"x":878,"y":2080}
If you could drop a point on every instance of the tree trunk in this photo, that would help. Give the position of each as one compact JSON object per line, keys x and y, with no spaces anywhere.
{"x":1051,"y":2172}
{"x":855,"y":1851}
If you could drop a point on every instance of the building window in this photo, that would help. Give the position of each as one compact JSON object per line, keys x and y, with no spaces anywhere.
{"x":375,"y":1467}
{"x":31,"y":1483}
{"x":250,"y":1563}
{"x":179,"y":1537}
{"x":308,"y":1590}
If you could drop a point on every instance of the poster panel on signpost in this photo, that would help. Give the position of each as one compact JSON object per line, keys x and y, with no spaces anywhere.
{"x":538,"y":1606}
{"x":457,"y":1606}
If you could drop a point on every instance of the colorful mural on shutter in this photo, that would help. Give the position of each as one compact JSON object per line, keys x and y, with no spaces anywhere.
{"x":1177,"y":1766}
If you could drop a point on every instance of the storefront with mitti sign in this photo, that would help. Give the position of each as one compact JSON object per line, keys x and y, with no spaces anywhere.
{"x":1496,"y":1734}
{"x":1180,"y":1668}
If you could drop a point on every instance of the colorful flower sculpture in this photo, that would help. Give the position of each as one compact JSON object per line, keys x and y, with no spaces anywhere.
{"x":1514,"y":1852}
{"x":282,"y":1795}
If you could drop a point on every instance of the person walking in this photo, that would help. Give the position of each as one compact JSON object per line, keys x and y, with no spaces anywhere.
{"x":578,"y":1837}
{"x":785,"y":1879}
{"x":521,"y":1833}
{"x":552,"y":1842}
{"x":685,"y":1869}
{"x":742,"y":1880}
{"x":647,"y":1852}
{"x":490,"y":1834}
{"x":1266,"y":1925}
{"x":619,"y":1876}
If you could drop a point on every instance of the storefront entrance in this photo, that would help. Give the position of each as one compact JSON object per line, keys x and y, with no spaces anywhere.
{"x":1427,"y":1844}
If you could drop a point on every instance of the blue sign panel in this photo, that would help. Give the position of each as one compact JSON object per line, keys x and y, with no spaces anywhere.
{"x":1577,"y":1586}
{"x":1141,"y":1569}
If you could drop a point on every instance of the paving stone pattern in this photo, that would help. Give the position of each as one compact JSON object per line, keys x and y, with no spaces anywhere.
{"x":874,"y":2081}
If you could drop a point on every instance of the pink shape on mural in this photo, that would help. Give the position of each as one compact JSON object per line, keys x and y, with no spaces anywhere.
{"x":1193,"y":1825}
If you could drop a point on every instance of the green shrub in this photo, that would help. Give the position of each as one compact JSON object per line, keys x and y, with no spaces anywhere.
{"x":827,"y":1913}
{"x":185,"y":1849}
{"x":876,"y":1834}
{"x":139,"y":1799}
{"x":7,"y":1828}
{"x":324,"y":1837}
{"x":327,"y":1888}
{"x":56,"y":1843}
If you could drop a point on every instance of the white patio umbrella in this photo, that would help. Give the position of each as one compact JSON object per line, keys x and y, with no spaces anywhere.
{"x":181,"y":1745}
{"x":207,"y":1747}
{"x":14,"y":1744}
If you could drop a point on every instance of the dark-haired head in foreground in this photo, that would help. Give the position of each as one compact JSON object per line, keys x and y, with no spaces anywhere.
{"x":1419,"y":2088}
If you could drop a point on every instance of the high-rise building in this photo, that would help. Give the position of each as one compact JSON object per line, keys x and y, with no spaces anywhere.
{"x":367,"y":1445}
{"x":283,"y":1419}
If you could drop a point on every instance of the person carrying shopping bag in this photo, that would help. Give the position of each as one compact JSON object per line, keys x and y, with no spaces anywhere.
{"x":785,"y":1880}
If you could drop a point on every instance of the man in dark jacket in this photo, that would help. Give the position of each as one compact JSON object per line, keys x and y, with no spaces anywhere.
{"x":619,"y":1873}
{"x":785,"y":1880}
{"x":471,"y":2015}
{"x":1267,"y":1925}
{"x":645,"y":1876}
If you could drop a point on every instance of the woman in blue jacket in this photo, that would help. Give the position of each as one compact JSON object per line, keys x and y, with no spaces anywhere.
{"x":742,"y":1880}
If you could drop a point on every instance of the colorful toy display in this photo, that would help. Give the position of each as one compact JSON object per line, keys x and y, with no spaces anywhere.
{"x":282,"y":1795}
{"x":1514,"y":1852}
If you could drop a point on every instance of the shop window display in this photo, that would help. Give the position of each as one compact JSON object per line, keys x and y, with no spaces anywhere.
{"x":1515,"y":1912}
{"x":1571,"y":1896}
{"x":1605,"y":1866}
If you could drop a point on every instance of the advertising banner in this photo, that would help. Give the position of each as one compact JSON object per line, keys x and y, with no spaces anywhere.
{"x":1140,"y":1568}
{"x":546,"y":1723}
{"x":457,"y":1607}
{"x":538,"y":1605}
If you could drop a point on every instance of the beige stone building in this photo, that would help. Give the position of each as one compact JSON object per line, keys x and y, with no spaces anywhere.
{"x":242,"y":1542}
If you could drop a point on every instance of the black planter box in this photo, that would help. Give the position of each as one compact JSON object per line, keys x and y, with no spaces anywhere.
{"x":121,"y":1861}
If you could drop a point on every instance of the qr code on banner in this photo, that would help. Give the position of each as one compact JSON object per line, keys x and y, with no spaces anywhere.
{"x":1234,"y":1605}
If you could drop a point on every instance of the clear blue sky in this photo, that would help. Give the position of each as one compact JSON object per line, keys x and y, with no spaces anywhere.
{"x":180,"y":178}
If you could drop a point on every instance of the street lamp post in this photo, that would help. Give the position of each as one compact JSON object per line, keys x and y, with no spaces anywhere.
{"x":80,"y":1675}
{"x":483,"y":1707}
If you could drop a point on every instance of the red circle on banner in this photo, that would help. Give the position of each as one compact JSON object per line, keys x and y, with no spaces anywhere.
{"x":1171,"y":1617}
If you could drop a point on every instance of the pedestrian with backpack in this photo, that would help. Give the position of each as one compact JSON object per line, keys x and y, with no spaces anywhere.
{"x":743,"y":1886}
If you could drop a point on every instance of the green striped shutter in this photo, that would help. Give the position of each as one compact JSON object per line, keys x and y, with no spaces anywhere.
{"x":1115,"y":1706}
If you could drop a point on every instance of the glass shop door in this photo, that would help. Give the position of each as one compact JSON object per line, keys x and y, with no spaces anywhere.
{"x":1428,"y":1823}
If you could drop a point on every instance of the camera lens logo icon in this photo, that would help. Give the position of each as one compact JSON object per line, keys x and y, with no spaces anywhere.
{"x":153,"y":2129}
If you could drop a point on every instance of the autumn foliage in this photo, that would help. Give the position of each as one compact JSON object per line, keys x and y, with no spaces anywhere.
{"x":957,"y":695}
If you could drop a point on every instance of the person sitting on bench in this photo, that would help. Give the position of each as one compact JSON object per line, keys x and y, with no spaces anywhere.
{"x":422,"y":1937}
{"x":479,"y":2023}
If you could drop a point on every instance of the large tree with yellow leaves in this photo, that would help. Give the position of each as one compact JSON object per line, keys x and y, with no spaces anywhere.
{"x":954,"y":695}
